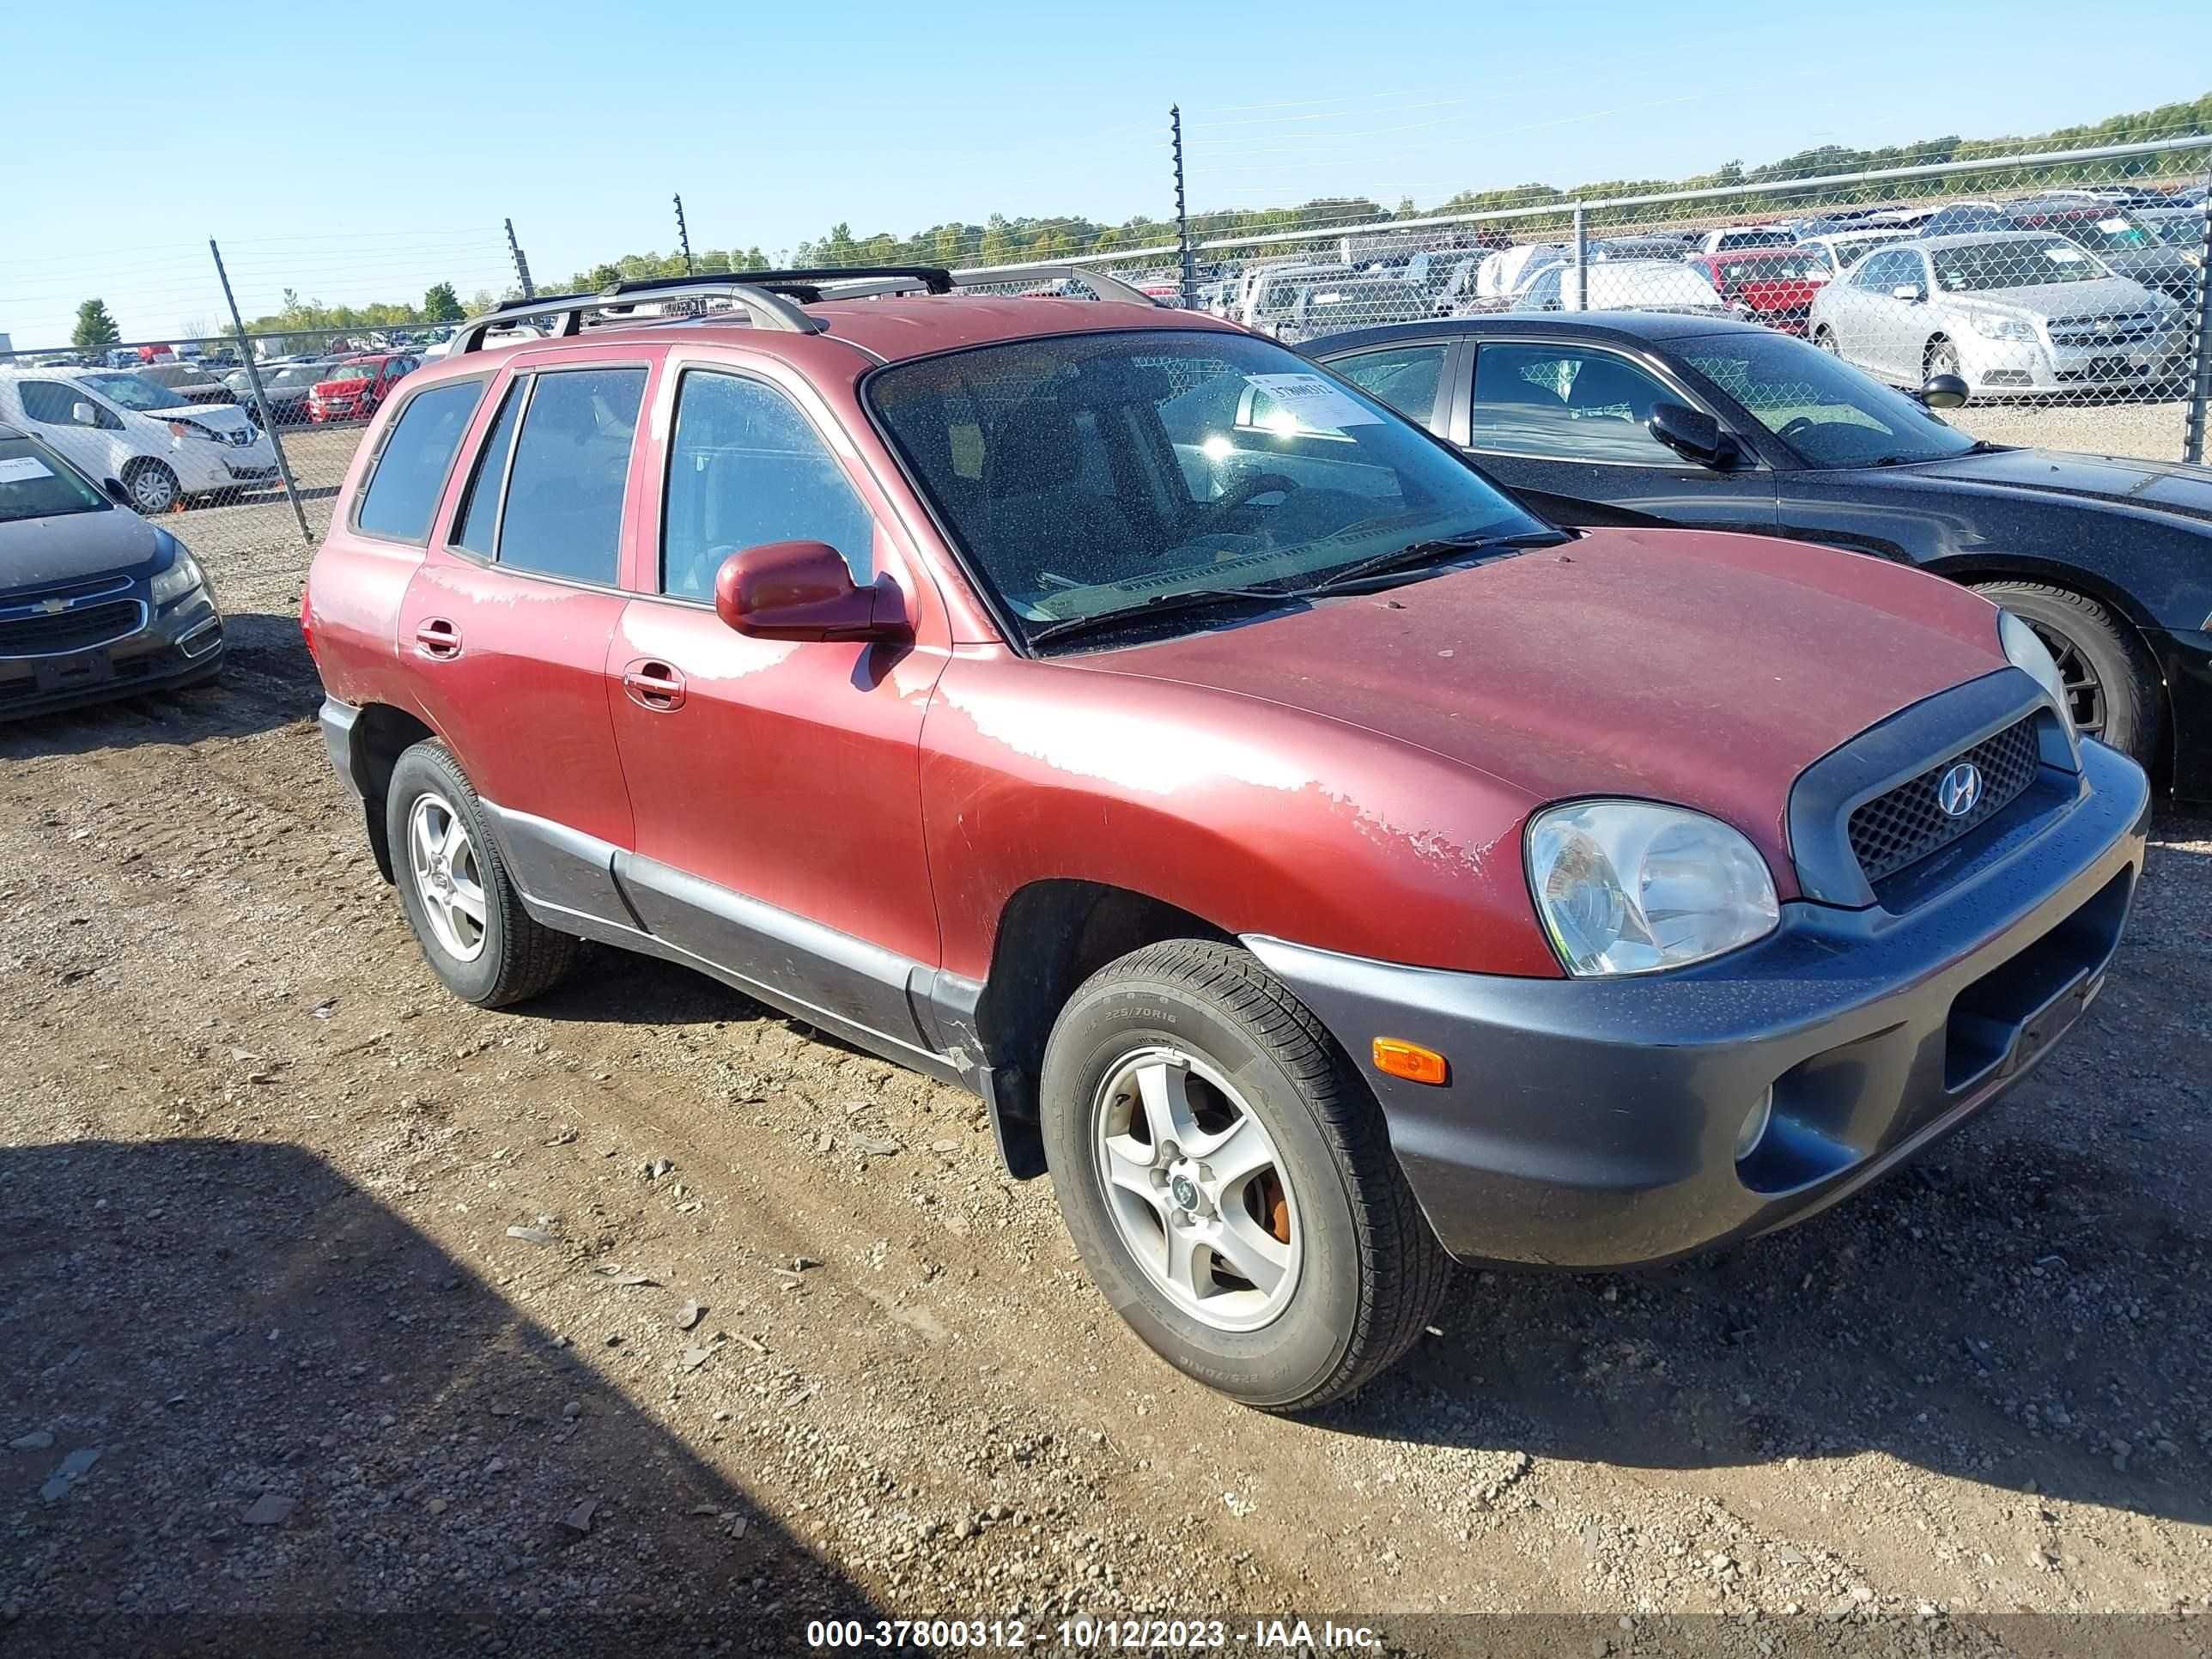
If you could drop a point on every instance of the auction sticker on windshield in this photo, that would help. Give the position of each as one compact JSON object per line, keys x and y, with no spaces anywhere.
{"x":22,"y":469}
{"x":1319,"y":404}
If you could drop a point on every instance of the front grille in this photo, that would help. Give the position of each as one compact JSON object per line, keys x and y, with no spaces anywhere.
{"x":1907,"y":824}
{"x":2103,"y":331}
{"x":72,"y":630}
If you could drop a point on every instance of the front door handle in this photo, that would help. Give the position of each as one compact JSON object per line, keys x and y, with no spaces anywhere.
{"x":437,"y":638}
{"x":656,"y":685}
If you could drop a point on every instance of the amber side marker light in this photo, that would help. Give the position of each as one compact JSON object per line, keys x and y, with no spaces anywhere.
{"x":1411,"y":1061}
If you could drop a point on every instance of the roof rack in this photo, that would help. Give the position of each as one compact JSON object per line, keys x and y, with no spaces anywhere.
{"x":934,"y":278}
{"x":1104,"y":286}
{"x":766,"y":308}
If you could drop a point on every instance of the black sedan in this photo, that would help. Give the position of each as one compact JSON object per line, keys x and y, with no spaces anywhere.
{"x":1627,"y":418}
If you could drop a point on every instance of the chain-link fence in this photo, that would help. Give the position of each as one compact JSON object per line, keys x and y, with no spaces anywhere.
{"x":2065,"y":292}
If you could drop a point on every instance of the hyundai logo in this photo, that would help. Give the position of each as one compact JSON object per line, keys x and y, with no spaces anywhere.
{"x":1960,"y":791}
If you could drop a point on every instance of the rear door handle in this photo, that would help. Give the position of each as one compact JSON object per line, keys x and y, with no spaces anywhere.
{"x":656,"y":685}
{"x":438,"y":639}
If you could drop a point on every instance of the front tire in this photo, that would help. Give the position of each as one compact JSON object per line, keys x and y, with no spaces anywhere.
{"x":1229,"y":1180}
{"x":153,"y":488}
{"x":2112,"y":684}
{"x":1942,"y":358}
{"x":454,"y":886}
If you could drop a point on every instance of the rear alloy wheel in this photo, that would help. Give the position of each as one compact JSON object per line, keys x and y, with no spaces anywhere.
{"x":1229,"y":1180}
{"x":465,"y":910}
{"x":153,"y":486}
{"x":2110,"y":688}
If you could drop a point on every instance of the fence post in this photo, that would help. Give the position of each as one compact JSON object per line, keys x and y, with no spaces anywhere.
{"x":521,"y":265}
{"x":1182,"y":217}
{"x":2200,"y":387}
{"x":1582,"y":261}
{"x":261,"y":397}
{"x":683,"y":234}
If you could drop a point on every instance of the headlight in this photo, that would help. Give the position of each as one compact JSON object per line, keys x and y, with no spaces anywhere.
{"x":1631,"y":887}
{"x":2002,"y":328}
{"x":194,"y":429}
{"x":183,"y":575}
{"x":2024,"y":649}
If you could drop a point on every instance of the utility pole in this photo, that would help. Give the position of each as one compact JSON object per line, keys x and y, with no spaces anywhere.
{"x":1182,"y":217}
{"x":260,"y":396}
{"x":521,"y":265}
{"x":682,"y":235}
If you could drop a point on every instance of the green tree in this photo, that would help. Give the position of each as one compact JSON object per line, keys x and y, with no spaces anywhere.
{"x":441,"y":305}
{"x":94,"y":327}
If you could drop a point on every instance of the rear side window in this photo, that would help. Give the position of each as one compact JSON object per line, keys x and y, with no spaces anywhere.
{"x":571,"y":469}
{"x":410,"y":470}
{"x":746,"y":468}
{"x":479,"y":517}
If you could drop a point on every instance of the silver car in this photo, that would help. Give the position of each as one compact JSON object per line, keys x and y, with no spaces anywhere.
{"x":2010,"y":312}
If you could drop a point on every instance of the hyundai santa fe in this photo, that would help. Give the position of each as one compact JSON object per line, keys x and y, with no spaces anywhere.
{"x":1322,"y":866}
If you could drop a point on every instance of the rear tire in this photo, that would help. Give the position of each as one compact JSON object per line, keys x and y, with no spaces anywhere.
{"x":2111,"y":683}
{"x":1357,"y":1273}
{"x":454,"y":886}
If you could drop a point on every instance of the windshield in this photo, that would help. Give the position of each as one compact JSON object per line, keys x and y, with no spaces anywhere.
{"x":36,"y":484}
{"x":1754,"y":239}
{"x":1093,"y":472}
{"x":355,"y":372}
{"x":1791,"y":267}
{"x":2106,"y":233}
{"x":130,"y":392}
{"x":2015,"y":262}
{"x":1827,"y":412}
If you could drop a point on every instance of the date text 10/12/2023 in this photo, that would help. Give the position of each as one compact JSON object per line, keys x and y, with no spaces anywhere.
{"x":1091,"y":1635}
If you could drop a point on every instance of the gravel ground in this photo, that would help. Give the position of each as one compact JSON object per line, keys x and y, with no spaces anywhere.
{"x":641,"y":1315}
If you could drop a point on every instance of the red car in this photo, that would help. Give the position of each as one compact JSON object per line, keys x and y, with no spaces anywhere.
{"x":358,"y":388}
{"x":1771,"y":285}
{"x":1321,"y":864}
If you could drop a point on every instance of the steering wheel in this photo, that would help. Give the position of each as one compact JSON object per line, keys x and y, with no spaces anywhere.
{"x":1238,"y":493}
{"x":1802,"y":423}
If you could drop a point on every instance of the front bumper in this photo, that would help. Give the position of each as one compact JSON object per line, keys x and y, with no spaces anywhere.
{"x":1592,"y":1123}
{"x":2040,"y":366}
{"x":181,"y":647}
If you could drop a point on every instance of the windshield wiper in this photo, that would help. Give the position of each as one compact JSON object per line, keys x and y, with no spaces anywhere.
{"x":1419,"y":553}
{"x":1186,"y":599}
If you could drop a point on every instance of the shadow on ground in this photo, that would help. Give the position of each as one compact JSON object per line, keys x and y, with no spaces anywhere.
{"x":315,"y":1431}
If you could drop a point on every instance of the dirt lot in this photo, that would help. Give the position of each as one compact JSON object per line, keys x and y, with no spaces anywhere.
{"x":777,"y":1339}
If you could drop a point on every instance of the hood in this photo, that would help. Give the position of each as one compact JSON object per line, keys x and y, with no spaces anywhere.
{"x":2174,"y":488}
{"x":69,"y":547}
{"x":216,"y":417}
{"x":2117,"y":296}
{"x":1682,"y":665}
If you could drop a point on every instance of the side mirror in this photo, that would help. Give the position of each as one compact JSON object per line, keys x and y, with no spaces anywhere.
{"x":116,"y":492}
{"x":1943,"y":391}
{"x":1909,"y":292}
{"x":84,"y":414}
{"x":805,"y":590}
{"x":1691,"y":433}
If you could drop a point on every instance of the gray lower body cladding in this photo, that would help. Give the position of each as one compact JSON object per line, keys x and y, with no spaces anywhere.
{"x":1593,"y":1123}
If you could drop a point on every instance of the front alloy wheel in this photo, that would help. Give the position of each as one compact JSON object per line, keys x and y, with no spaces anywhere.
{"x":1196,"y":1189}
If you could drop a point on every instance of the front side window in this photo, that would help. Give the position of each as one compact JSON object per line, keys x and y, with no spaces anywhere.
{"x":1404,"y":377}
{"x":2015,"y":262}
{"x":52,"y":403}
{"x":570,"y":473}
{"x":745,"y":468}
{"x":1567,"y":403}
{"x":1087,"y":474}
{"x":36,"y":484}
{"x":1828,"y":412}
{"x":410,"y":469}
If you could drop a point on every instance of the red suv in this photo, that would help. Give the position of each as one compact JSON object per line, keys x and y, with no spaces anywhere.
{"x":358,"y":388}
{"x":1321,"y":864}
{"x":1772,"y":285}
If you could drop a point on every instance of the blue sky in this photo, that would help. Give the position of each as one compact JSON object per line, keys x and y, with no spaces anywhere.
{"x":355,"y":164}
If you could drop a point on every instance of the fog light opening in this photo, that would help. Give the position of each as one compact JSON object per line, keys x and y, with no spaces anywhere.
{"x":1754,"y":1124}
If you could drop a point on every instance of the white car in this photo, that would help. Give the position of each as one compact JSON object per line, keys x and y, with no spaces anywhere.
{"x":113,"y":424}
{"x":1729,"y":238}
{"x":1623,"y":285}
{"x":1839,"y":250}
